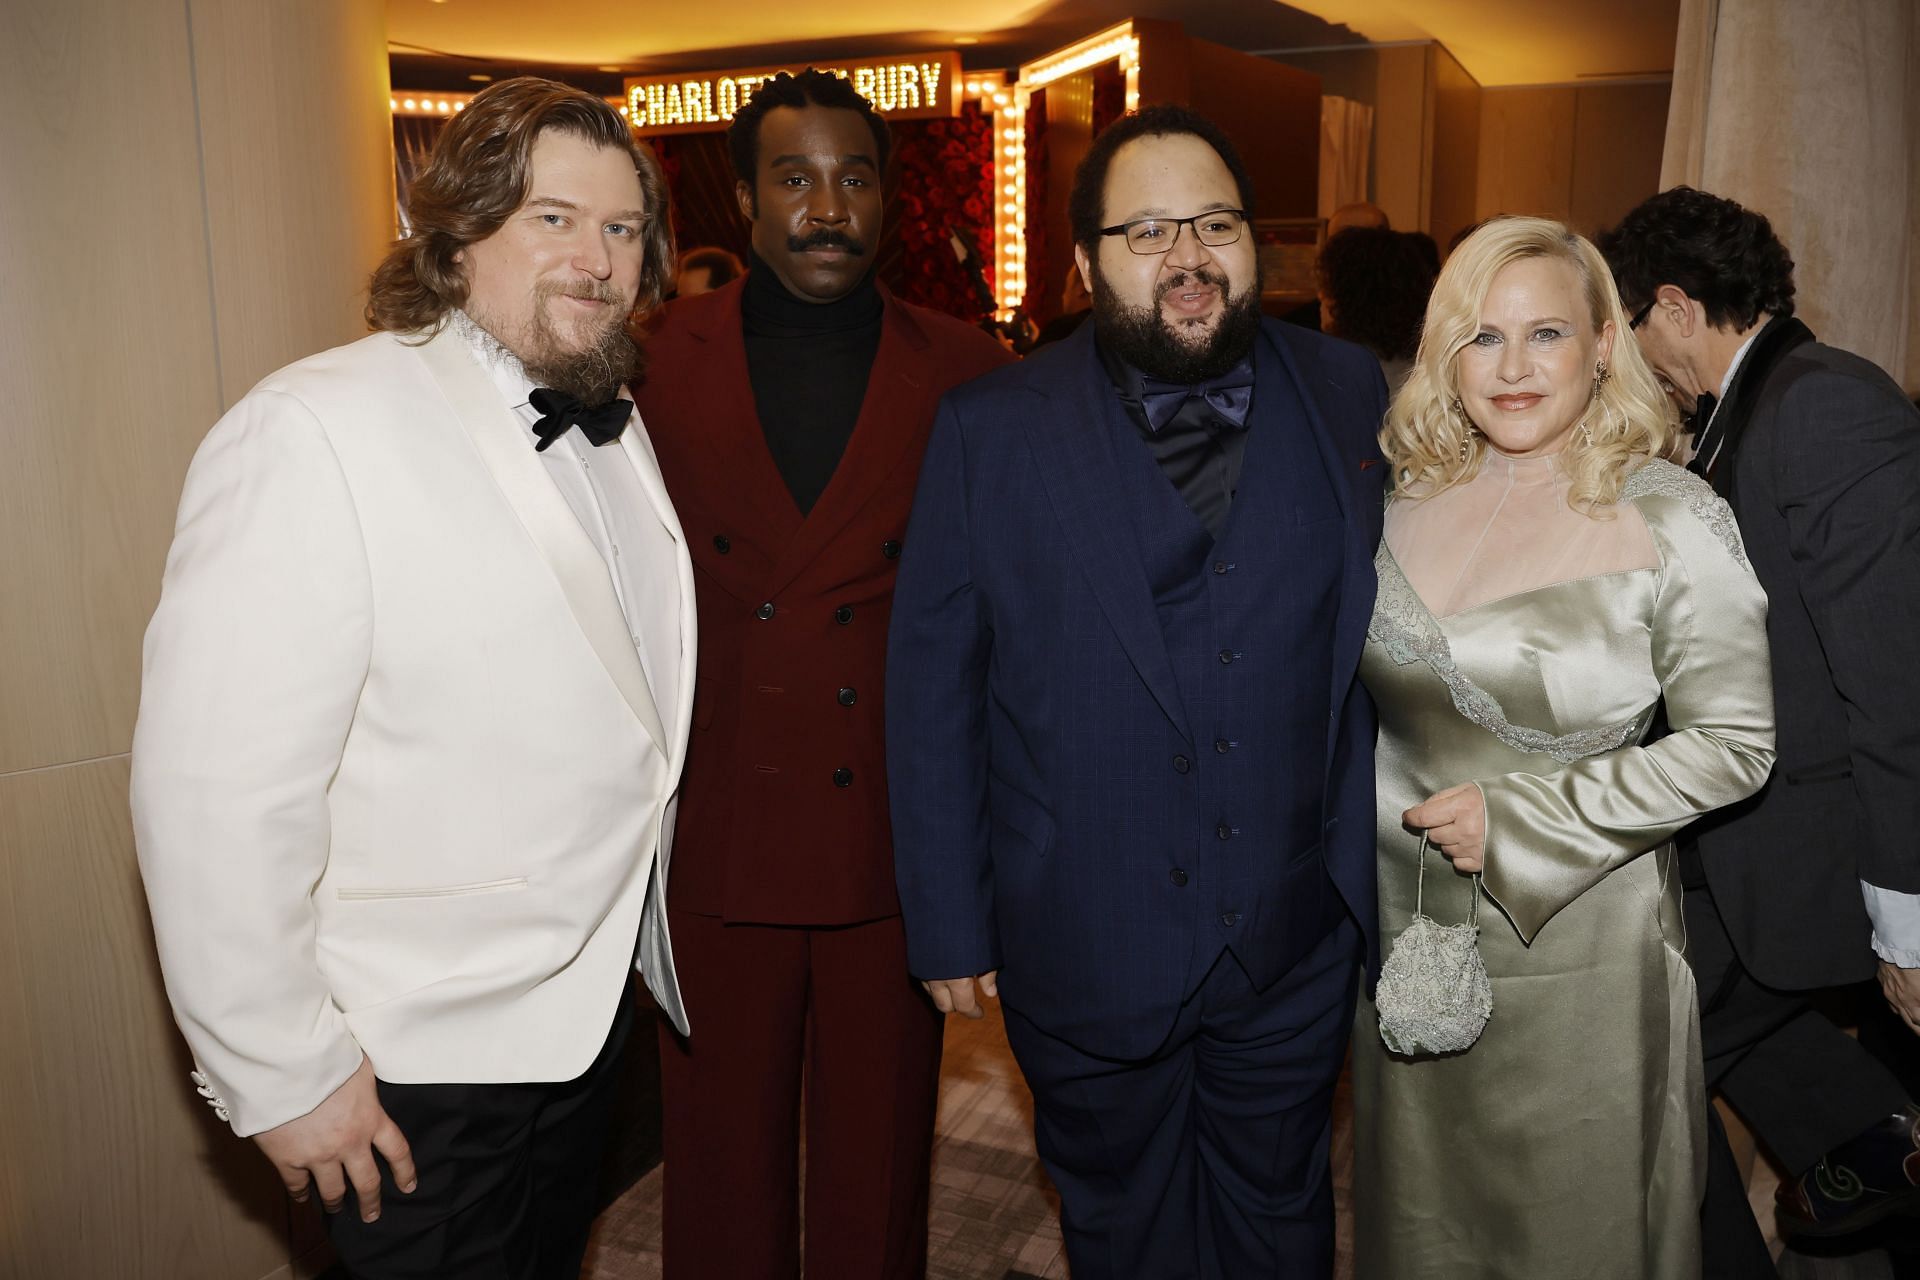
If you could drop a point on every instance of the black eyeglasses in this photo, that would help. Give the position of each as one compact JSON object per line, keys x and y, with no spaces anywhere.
{"x":1157,"y":235}
{"x":1640,"y":316}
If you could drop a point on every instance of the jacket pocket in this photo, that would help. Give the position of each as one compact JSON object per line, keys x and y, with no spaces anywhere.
{"x":435,"y":891}
{"x":1021,"y":814}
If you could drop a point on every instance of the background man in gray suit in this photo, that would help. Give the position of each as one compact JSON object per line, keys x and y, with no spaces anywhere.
{"x":1815,"y":882}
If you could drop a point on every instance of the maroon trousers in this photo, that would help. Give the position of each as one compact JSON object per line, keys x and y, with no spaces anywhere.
{"x":782,"y":1013}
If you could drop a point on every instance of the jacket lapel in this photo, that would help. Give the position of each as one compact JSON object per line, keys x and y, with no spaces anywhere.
{"x":1356,"y":603}
{"x":584,"y":580}
{"x":646,"y":466}
{"x":895,"y":411}
{"x":1781,"y":335}
{"x":1071,"y":440}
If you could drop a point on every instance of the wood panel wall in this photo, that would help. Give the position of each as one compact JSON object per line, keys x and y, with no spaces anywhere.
{"x":1447,"y":152}
{"x":193,"y":195}
{"x":1584,"y":154}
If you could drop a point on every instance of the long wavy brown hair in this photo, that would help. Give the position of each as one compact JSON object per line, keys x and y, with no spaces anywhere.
{"x":477,"y":177}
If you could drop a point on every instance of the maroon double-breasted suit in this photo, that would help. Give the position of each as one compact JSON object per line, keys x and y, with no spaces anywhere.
{"x":781,"y":899}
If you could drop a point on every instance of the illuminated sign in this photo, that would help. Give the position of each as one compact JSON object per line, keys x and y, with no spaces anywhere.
{"x":911,"y":86}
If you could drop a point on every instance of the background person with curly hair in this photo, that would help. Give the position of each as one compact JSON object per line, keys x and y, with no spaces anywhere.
{"x":1373,"y":285}
{"x":1816,"y":883}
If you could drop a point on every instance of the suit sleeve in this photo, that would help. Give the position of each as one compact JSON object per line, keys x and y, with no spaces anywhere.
{"x":1847,"y":469}
{"x":937,"y":657}
{"x":253,"y":666}
{"x":1551,"y":837}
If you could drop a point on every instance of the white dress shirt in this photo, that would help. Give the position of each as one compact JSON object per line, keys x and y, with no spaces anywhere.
{"x":604,"y":495}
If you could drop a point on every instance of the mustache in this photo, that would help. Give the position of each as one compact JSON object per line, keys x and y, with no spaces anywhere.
{"x":1200,"y":275}
{"x":586,"y":290}
{"x":825,"y":238}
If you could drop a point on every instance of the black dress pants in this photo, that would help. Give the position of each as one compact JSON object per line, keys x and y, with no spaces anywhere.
{"x":508,"y":1175}
{"x":1800,"y":1083}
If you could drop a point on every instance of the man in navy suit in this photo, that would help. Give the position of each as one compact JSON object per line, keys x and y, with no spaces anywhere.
{"x":1131,"y":768}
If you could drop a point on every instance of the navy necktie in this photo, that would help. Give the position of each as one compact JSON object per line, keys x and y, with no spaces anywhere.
{"x":600,"y":423}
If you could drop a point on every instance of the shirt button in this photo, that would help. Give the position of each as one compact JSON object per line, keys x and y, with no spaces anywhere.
{"x":1226,"y":657}
{"x":1178,"y":877}
{"x":848,"y":697}
{"x":1230,"y":919}
{"x":1224,"y":831}
{"x":1220,"y":566}
{"x":843,"y":777}
{"x":890,"y":549}
{"x":722,"y":543}
{"x":1181,"y":764}
{"x":843,"y":615}
{"x":764,"y":612}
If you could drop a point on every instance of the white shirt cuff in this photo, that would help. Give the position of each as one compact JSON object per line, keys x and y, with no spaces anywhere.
{"x":1896,"y":924}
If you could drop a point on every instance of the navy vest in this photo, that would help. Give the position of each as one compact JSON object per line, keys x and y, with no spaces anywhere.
{"x":1248,"y":621}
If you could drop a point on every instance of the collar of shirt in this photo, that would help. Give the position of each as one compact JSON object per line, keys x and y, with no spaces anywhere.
{"x":1734,"y":366}
{"x":503,"y":367}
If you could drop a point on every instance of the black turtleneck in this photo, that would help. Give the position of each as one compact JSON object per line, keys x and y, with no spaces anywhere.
{"x":808,"y":363}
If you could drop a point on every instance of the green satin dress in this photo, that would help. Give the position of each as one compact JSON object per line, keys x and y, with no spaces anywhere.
{"x":1569,"y":1141}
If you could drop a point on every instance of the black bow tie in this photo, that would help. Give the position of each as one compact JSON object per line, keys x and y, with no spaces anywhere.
{"x":600,"y":423}
{"x":1230,"y":396}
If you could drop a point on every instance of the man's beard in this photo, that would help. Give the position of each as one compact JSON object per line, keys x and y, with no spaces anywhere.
{"x":593,"y":373}
{"x":1143,"y":337}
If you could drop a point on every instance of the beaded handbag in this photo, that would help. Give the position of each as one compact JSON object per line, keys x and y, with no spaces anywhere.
{"x":1433,"y":995}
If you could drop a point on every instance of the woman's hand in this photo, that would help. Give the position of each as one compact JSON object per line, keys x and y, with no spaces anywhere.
{"x":1455,"y":821}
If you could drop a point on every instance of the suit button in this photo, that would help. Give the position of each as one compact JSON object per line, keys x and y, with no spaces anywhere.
{"x":843,"y":777}
{"x":890,"y":549}
{"x":1220,"y":566}
{"x":764,"y":612}
{"x":843,"y":615}
{"x":1178,"y":877}
{"x":1230,"y":919}
{"x":1224,"y":831}
{"x":722,"y":543}
{"x":1222,"y":745}
{"x":1226,"y":657}
{"x":848,"y":697}
{"x":1181,"y":764}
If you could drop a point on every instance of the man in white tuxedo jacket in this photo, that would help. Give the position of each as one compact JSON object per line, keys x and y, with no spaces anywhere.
{"x":415,"y":704}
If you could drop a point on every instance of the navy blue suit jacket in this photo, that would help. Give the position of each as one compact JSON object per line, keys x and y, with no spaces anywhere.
{"x":1031,"y":700}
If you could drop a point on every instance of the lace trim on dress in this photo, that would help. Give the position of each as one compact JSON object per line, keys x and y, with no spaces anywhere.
{"x":1664,"y":480}
{"x":1406,"y":629}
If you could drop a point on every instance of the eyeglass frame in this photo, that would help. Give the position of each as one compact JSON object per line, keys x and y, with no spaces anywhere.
{"x":1121,"y":229}
{"x":1640,"y":316}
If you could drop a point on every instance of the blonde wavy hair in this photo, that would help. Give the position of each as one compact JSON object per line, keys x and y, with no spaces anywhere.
{"x":1432,"y":445}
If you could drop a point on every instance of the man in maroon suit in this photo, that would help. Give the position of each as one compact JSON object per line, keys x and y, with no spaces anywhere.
{"x":790,"y":411}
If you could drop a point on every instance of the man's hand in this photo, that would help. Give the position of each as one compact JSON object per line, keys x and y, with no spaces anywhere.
{"x":955,"y":995}
{"x":333,"y":1145}
{"x":1902,"y":989}
{"x":1455,"y":821}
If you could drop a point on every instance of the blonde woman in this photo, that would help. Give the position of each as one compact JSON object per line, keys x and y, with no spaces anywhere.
{"x":1546,"y":582}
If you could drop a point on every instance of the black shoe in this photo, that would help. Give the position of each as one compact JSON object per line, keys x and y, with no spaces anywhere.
{"x":1858,"y":1183}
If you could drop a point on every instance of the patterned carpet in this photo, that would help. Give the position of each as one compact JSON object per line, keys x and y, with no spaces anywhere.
{"x":994,"y":1215}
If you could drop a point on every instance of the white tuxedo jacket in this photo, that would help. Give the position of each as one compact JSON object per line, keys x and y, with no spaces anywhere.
{"x":399,"y":781}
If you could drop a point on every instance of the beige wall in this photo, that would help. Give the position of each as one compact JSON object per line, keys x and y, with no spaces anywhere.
{"x":192,"y":195}
{"x":1447,"y":152}
{"x":1584,"y":154}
